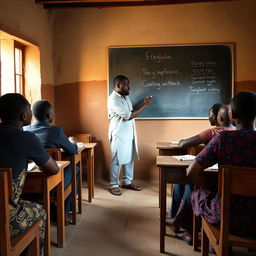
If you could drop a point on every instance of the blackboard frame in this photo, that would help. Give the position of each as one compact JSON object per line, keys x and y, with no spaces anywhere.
{"x":230,"y":45}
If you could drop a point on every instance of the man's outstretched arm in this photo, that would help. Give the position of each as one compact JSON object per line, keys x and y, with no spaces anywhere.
{"x":147,"y":101}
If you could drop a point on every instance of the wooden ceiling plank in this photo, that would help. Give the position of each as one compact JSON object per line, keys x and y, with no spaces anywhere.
{"x":115,"y":3}
{"x":123,"y":1}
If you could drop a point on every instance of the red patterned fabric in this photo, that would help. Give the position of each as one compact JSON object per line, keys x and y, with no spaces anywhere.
{"x":234,"y":148}
{"x":208,"y":134}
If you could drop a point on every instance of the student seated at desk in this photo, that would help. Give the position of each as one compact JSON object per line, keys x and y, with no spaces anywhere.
{"x":181,"y":214}
{"x":17,"y":147}
{"x":218,"y":117}
{"x":53,"y":137}
{"x":233,"y":148}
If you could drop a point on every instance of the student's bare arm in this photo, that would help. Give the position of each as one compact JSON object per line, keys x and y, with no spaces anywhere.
{"x":147,"y":101}
{"x":195,"y":174}
{"x":50,"y":167}
{"x":192,"y":141}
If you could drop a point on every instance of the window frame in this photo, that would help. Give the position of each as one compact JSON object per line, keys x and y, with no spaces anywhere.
{"x":21,"y":47}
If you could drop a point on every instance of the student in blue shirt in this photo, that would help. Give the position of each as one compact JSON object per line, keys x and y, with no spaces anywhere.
{"x":53,"y":137}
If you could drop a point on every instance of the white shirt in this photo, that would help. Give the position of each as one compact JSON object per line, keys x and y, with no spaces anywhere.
{"x":122,"y":132}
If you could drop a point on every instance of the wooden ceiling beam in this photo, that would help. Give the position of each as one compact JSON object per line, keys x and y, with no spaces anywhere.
{"x":114,"y":3}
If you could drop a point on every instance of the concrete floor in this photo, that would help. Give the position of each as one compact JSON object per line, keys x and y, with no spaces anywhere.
{"x":121,"y":226}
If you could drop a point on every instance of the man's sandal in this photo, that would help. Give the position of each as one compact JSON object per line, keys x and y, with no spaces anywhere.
{"x":115,"y":191}
{"x":132,"y":187}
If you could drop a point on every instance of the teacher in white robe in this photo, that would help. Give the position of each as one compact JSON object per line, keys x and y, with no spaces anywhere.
{"x":122,"y":134}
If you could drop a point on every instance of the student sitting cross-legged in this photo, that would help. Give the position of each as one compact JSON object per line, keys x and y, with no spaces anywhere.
{"x":233,"y":148}
{"x":53,"y":137}
{"x":17,"y":147}
{"x":181,"y":211}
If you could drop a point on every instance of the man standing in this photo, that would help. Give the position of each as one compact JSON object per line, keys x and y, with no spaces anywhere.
{"x":122,"y":134}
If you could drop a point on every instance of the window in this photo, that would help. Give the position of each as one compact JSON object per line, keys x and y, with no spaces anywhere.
{"x":18,"y":67}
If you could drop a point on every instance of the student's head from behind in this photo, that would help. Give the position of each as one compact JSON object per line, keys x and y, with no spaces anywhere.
{"x":121,"y":85}
{"x":42,"y":110}
{"x":243,"y":108}
{"x":213,"y":113}
{"x":14,"y":107}
{"x":223,"y":116}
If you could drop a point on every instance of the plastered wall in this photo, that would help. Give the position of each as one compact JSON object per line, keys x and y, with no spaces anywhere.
{"x":81,"y":40}
{"x":29,"y":21}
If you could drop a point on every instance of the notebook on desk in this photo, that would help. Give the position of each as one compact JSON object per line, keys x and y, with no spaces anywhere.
{"x":80,"y":144}
{"x":31,"y":166}
{"x":185,"y":157}
{"x":214,"y":167}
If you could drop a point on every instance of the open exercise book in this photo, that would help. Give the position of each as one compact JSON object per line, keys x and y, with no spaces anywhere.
{"x":32,"y":166}
{"x":80,"y":144}
{"x":191,"y":158}
{"x":185,"y":157}
{"x":174,"y":143}
{"x":214,"y":167}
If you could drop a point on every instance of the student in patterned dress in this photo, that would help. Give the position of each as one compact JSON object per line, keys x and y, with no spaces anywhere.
{"x":234,"y":148}
{"x":16,"y":149}
{"x":181,"y":210}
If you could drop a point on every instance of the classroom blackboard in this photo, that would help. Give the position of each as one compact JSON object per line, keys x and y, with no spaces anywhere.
{"x":184,"y":80}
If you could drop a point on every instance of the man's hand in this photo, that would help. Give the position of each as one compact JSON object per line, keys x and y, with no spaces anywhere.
{"x":72,"y":140}
{"x":148,"y":100}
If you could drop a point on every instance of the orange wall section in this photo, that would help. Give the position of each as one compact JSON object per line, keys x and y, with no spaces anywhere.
{"x":48,"y":93}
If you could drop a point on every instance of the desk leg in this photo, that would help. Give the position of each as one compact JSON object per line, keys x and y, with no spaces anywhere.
{"x":92,"y":166}
{"x":46,"y":204}
{"x":60,"y":215}
{"x":159,"y":187}
{"x":196,"y":244}
{"x":80,"y":187}
{"x":162,"y":208}
{"x":89,"y":175}
{"x":73,"y":166}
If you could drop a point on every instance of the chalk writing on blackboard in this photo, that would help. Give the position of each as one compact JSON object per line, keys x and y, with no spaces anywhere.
{"x":184,"y":80}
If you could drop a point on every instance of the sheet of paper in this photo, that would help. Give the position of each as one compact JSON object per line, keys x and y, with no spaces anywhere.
{"x":174,"y":142}
{"x":214,"y":167}
{"x":31,"y":166}
{"x":185,"y":157}
{"x":80,"y":144}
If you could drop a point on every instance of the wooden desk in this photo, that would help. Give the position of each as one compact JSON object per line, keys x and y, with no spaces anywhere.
{"x":172,"y":171}
{"x":38,"y":182}
{"x":74,"y":161}
{"x":195,"y":150}
{"x":168,"y":149}
{"x":85,"y":154}
{"x":88,"y":156}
